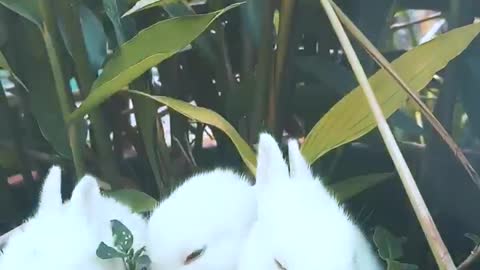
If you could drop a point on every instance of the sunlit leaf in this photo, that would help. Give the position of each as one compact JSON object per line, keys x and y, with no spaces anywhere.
{"x":209,"y":117}
{"x":149,"y":48}
{"x":144,"y":4}
{"x":351,"y":118}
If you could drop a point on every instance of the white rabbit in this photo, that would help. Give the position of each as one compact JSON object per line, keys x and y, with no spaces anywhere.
{"x":66,"y":235}
{"x":203,"y":224}
{"x":300,"y":224}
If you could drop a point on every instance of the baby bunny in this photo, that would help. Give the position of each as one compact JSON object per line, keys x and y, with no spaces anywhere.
{"x":66,"y":235}
{"x":300,"y":224}
{"x":203,"y":224}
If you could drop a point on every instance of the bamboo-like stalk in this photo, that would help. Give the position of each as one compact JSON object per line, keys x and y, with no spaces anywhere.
{"x":70,"y":11}
{"x":50,"y":35}
{"x":264,"y":74}
{"x":383,"y":63}
{"x":286,"y":15}
{"x":434,"y":239}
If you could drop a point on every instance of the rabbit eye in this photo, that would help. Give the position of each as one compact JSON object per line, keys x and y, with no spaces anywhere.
{"x":279,"y":265}
{"x":194,"y":255}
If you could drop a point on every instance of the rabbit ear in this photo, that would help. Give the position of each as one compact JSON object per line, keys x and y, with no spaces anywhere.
{"x":270,"y":163}
{"x":86,"y":195}
{"x":298,"y":165}
{"x":51,"y":196}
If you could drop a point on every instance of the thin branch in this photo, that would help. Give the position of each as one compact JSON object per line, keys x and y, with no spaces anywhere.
{"x":397,"y":26}
{"x":473,"y":257}
{"x":434,"y":239}
{"x":383,"y":63}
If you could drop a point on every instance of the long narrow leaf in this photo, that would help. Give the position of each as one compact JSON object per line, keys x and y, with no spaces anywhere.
{"x":383,"y":62}
{"x":208,"y":117}
{"x":351,"y":118}
{"x":149,"y":48}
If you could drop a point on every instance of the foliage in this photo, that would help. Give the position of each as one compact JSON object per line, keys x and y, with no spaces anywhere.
{"x":144,"y":93}
{"x":123,"y":241}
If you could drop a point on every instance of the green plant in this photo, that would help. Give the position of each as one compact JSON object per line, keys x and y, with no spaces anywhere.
{"x":123,"y":241}
{"x":91,"y":85}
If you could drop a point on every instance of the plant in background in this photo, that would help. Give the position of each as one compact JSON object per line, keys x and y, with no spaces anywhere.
{"x":144,"y":93}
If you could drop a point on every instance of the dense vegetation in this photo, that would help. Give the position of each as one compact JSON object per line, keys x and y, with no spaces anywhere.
{"x":168,"y":94}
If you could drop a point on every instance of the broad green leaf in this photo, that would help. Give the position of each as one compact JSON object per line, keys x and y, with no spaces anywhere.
{"x":144,"y":4}
{"x":122,"y":237}
{"x":347,"y":189}
{"x":138,"y":201}
{"x":25,"y":8}
{"x":395,"y":265}
{"x":209,"y":117}
{"x":106,"y":252}
{"x":389,"y":246}
{"x":95,"y":37}
{"x":31,"y":63}
{"x":351,"y":118}
{"x":149,"y":48}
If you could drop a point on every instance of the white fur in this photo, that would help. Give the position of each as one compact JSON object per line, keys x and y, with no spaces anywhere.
{"x":214,"y":210}
{"x":300,"y":224}
{"x":66,"y":236}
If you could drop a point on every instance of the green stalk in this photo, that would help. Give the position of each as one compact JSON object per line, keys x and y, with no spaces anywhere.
{"x":286,"y":16}
{"x":383,"y":62}
{"x":50,"y":35}
{"x":263,"y":70}
{"x":70,"y":13}
{"x":439,"y":250}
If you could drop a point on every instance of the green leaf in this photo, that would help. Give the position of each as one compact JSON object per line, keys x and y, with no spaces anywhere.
{"x":4,"y":65}
{"x":138,"y":201}
{"x":351,"y":118}
{"x":122,"y":237}
{"x":209,"y":117}
{"x":475,"y":238}
{"x":95,"y":37}
{"x":143,"y":262}
{"x":346,"y":189}
{"x":395,"y":265}
{"x":147,"y":49}
{"x":389,"y":246}
{"x":144,"y":4}
{"x":25,"y":8}
{"x":106,"y":252}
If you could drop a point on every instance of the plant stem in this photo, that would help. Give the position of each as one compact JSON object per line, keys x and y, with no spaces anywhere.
{"x":70,"y":13}
{"x":50,"y":36}
{"x":434,"y":239}
{"x":263,"y":70}
{"x":286,"y":14}
{"x":383,"y":62}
